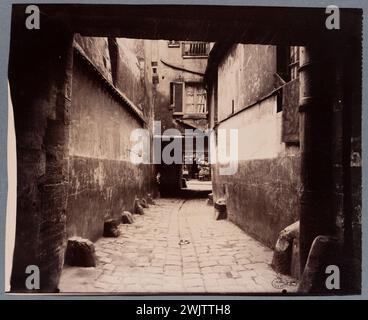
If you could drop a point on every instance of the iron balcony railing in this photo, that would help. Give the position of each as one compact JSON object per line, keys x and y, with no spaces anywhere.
{"x":195,"y":49}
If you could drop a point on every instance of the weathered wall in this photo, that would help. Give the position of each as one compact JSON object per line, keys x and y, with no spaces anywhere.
{"x":259,"y":130}
{"x":97,"y":50}
{"x":40,"y":79}
{"x":130,"y":72}
{"x":73,"y":167}
{"x":123,"y":68}
{"x":262,"y":196}
{"x":246,"y":74}
{"x":102,"y":179}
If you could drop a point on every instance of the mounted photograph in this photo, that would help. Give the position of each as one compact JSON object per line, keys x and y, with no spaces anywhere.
{"x":185,"y":150}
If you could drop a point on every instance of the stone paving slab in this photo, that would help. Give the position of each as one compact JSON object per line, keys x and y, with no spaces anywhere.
{"x":177,"y":247}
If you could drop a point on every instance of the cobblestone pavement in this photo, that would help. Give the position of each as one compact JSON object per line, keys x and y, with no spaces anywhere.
{"x":177,"y":247}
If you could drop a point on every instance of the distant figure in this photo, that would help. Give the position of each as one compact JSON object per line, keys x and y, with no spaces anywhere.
{"x":194,"y":169}
{"x":158,"y":185}
{"x":158,"y":179}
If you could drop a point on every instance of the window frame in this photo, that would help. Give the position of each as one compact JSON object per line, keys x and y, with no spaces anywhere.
{"x":184,"y":98}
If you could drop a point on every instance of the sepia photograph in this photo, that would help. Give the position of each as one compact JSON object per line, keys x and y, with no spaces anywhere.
{"x":184,"y":150}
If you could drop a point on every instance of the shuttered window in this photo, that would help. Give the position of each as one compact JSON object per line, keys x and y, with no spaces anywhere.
{"x":290,"y":112}
{"x":188,"y":98}
{"x":176,"y":96}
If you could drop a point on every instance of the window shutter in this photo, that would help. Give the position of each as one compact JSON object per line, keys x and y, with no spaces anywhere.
{"x":290,"y":112}
{"x":178,"y":97}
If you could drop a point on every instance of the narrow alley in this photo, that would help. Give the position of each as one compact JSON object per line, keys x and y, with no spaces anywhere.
{"x":177,"y":247}
{"x":185,"y":149}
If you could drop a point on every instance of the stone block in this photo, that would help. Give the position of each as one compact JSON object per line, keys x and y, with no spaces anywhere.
{"x":282,"y":256}
{"x":138,"y":209}
{"x":80,"y":252}
{"x":144,"y":203}
{"x":150,"y":199}
{"x":111,"y":228}
{"x":210,"y":199}
{"x":126,"y":217}
{"x":220,"y":209}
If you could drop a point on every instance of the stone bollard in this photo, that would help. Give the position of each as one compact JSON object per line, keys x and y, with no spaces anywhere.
{"x":283,"y":254}
{"x":150,"y":199}
{"x":138,"y":209}
{"x":80,"y":252}
{"x":220,"y":209}
{"x":210,"y":199}
{"x":126,"y":217}
{"x":111,"y":228}
{"x":144,"y":203}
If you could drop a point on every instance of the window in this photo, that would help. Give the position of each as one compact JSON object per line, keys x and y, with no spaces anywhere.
{"x":176,"y":96}
{"x":195,"y":49}
{"x":195,"y":98}
{"x":189,"y":98}
{"x":294,"y":62}
{"x":155,"y":78}
{"x":287,"y":62}
{"x":283,"y":61}
{"x":173,"y":44}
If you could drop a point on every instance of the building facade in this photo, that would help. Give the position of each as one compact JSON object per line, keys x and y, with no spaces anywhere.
{"x":180,"y":104}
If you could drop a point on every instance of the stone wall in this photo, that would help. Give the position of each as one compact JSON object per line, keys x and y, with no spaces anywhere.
{"x":102,"y":180}
{"x":263,"y":195}
{"x":72,"y":133}
{"x":246,"y":74}
{"x":40,"y":70}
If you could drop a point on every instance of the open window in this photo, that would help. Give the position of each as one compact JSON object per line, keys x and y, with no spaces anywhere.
{"x":188,"y":98}
{"x":287,"y":62}
{"x":283,"y":62}
{"x":195,"y":98}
